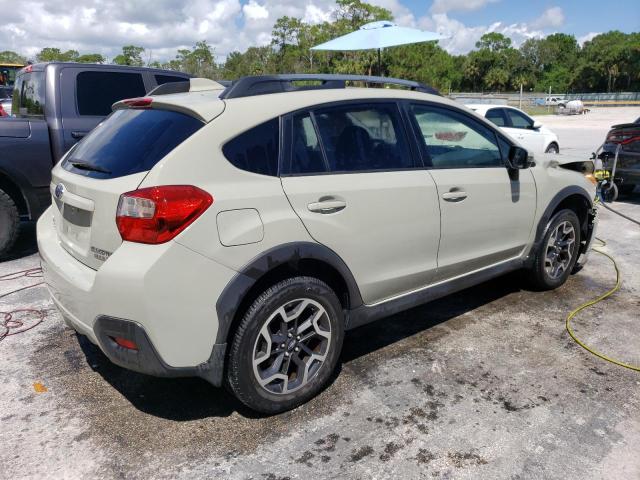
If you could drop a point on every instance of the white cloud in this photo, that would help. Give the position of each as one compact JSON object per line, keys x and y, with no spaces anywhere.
{"x":254,"y":11}
{"x":587,"y":38}
{"x":163,"y":26}
{"x":551,"y":17}
{"x":444,"y":6}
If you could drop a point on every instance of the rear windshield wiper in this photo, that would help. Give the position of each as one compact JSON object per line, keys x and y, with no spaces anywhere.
{"x":90,"y":167}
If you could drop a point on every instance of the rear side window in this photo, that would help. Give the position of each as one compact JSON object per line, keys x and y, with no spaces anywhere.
{"x":162,"y":79}
{"x":97,"y":91}
{"x":257,"y":149}
{"x":130,"y":141}
{"x":496,"y":116}
{"x":28,"y":97}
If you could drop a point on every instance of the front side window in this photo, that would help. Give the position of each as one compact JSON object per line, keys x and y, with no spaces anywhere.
{"x":496,"y":116}
{"x":363,"y":138}
{"x":519,"y":119}
{"x":28,"y":96}
{"x":97,"y":91}
{"x":455,"y":140}
{"x":257,"y":149}
{"x":129,"y":141}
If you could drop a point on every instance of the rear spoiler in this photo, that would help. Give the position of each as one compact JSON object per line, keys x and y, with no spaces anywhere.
{"x":192,"y":85}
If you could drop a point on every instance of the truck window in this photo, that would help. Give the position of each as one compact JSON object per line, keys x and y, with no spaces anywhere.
{"x":97,"y":91}
{"x":28,"y":97}
{"x":162,"y":79}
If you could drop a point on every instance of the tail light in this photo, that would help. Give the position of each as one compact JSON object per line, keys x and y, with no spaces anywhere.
{"x":623,"y":136}
{"x":3,"y":112}
{"x":141,"y":102}
{"x":157,"y":214}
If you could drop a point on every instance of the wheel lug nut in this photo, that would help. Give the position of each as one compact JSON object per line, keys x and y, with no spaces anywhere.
{"x":290,"y":335}
{"x":286,"y":354}
{"x":282,"y":346}
{"x":296,"y":349}
{"x":298,"y":337}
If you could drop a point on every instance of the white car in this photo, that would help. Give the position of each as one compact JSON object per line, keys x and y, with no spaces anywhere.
{"x":531,"y":134}
{"x":235,"y":235}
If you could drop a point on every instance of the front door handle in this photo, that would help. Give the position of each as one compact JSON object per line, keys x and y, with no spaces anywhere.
{"x":454,"y":195}
{"x":77,"y":135}
{"x":327,"y":206}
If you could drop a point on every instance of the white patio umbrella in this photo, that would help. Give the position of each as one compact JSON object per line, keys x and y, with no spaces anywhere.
{"x":378,"y":35}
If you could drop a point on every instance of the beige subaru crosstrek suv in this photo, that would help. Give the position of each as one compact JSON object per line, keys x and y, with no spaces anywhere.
{"x":235,"y":233}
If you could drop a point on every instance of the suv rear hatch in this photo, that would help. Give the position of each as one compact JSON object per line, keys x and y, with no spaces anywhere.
{"x":113,"y":159}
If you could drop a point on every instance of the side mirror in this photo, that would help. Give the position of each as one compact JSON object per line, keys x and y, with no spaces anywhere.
{"x":519,"y":158}
{"x":536,"y":125}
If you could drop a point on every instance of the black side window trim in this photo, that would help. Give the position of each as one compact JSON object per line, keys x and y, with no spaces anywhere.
{"x":404,"y":127}
{"x":423,"y":145}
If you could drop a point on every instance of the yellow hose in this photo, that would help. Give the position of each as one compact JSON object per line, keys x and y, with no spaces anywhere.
{"x":573,"y":313}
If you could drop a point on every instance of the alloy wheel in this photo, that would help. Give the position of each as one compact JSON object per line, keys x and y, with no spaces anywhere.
{"x":292,"y":346}
{"x":560,"y":250}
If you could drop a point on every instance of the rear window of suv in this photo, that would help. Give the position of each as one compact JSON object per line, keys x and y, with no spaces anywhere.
{"x":129,"y":141}
{"x":97,"y":91}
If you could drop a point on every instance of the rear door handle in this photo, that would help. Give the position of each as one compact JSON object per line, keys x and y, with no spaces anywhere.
{"x":77,"y":135}
{"x":327,"y":206}
{"x":454,"y":195}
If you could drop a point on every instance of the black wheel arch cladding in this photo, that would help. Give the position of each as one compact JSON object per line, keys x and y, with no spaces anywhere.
{"x":291,"y":257}
{"x":564,"y":195}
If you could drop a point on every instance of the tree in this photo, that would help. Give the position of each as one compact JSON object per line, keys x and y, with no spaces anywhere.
{"x":494,"y":42}
{"x":91,"y":58}
{"x":50,"y":54}
{"x":131,"y":55}
{"x":8,"y":56}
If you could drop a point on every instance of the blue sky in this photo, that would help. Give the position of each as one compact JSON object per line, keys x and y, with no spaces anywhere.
{"x":581,"y":16}
{"x":163,"y":26}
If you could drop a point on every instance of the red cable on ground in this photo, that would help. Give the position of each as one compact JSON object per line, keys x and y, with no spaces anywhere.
{"x":8,"y":322}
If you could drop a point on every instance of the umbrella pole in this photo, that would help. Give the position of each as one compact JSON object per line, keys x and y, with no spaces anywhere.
{"x":379,"y":64}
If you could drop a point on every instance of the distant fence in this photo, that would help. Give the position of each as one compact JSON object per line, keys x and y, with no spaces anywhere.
{"x":528,"y":99}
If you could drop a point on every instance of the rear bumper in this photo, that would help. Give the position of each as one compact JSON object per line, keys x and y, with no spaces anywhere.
{"x":162,"y":296}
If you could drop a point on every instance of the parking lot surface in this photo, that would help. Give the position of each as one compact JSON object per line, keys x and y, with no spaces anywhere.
{"x":485,"y":383}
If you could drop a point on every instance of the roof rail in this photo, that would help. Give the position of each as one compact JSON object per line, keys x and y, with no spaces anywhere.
{"x":265,"y":84}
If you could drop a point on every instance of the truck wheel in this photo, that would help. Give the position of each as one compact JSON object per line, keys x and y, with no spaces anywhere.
{"x":557,"y":253}
{"x":9,"y":221}
{"x":552,"y":148}
{"x":287,"y":345}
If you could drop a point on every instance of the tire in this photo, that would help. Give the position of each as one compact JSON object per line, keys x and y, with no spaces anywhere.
{"x":609,"y":192}
{"x":9,"y":223}
{"x":543,"y":274}
{"x":552,"y":148}
{"x":253,"y":360}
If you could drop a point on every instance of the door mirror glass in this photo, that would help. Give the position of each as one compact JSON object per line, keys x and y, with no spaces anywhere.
{"x":518,"y":158}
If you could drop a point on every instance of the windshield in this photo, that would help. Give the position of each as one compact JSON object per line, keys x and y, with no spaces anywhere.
{"x":129,"y":141}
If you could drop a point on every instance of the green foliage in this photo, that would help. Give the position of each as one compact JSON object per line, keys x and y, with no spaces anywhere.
{"x":56,"y":55}
{"x":8,"y":56}
{"x":609,"y":62}
{"x":131,"y":55}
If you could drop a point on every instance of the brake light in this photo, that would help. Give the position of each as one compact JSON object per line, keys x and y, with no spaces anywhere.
{"x":623,"y":136}
{"x":141,"y":102}
{"x":157,"y":214}
{"x":3,"y":112}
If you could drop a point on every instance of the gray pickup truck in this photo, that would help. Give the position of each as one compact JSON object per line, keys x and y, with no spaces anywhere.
{"x":54,"y":106}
